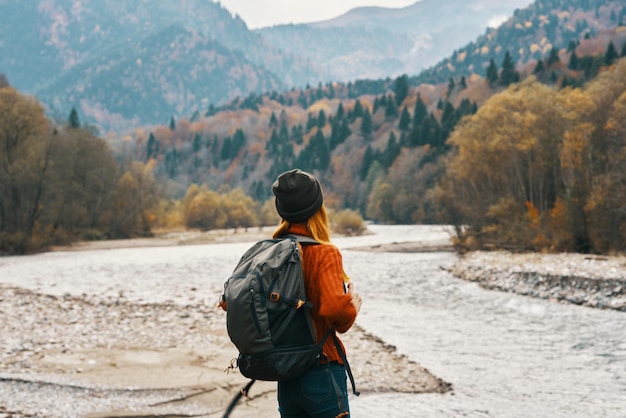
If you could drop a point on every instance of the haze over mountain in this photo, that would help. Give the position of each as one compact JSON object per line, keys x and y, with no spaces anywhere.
{"x":378,"y":42}
{"x":123,"y":63}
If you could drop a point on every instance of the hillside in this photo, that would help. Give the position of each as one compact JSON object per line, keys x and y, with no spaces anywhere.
{"x":123,"y":63}
{"x":126,"y":63}
{"x":532,"y":32}
{"x":528,"y":154}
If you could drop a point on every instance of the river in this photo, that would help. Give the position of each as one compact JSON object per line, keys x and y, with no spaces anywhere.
{"x":505,"y":355}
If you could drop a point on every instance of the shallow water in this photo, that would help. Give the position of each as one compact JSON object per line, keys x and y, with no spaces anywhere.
{"x":505,"y":355}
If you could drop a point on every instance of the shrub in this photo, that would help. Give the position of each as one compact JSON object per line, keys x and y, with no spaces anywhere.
{"x":347,"y":222}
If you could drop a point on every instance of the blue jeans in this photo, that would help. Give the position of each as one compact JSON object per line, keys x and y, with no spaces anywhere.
{"x":314,"y":394}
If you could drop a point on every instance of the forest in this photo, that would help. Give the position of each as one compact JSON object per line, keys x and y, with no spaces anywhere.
{"x":529,"y":156}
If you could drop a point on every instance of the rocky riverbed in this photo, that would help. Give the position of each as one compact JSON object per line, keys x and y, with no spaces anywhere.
{"x":87,"y":354}
{"x":589,"y":280}
{"x":111,"y":347}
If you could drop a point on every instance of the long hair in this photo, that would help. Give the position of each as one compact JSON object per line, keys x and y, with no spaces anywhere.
{"x":317,"y":225}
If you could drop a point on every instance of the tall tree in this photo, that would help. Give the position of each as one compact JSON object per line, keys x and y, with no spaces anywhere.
{"x":401,"y":88}
{"x":405,"y":120}
{"x":508,"y":75}
{"x":24,"y":157}
{"x":420,"y":112}
{"x":492,"y":72}
{"x":367,"y":125}
{"x":611,"y":54}
{"x":553,"y":58}
{"x":73,"y":120}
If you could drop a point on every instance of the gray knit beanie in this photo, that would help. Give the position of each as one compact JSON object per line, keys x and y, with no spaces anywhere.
{"x":298,"y":195}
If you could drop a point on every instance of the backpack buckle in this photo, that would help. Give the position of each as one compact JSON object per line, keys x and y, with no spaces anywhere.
{"x":274,"y":296}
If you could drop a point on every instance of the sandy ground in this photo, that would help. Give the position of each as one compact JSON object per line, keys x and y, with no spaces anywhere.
{"x":94,"y":357}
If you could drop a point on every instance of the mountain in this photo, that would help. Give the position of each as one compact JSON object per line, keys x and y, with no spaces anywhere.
{"x":531,"y":33}
{"x":353,"y":134}
{"x":125,"y":63}
{"x":378,"y":42}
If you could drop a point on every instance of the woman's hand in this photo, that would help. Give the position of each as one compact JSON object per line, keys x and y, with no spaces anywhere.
{"x":356,"y":298}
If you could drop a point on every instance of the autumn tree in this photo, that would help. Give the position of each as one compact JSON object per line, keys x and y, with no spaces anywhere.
{"x":241,"y":210}
{"x":24,"y":160}
{"x":81,"y":184}
{"x":135,"y":202}
{"x":505,"y":155}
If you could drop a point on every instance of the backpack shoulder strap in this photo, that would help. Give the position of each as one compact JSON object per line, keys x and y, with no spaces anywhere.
{"x":303,"y":239}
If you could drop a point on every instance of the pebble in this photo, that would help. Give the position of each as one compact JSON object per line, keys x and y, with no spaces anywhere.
{"x":594,"y":281}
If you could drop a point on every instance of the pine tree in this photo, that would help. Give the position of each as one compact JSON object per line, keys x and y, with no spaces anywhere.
{"x":420,"y":111}
{"x":623,"y":54}
{"x":311,"y":122}
{"x":463,"y":83}
{"x":340,"y":111}
{"x":451,"y":86}
{"x":554,"y":57}
{"x":553,"y":77}
{"x":366,"y":124}
{"x":321,"y":118}
{"x":273,"y":120}
{"x":392,"y":150}
{"x":401,"y":88}
{"x":405,"y":119}
{"x":573,"y":61}
{"x":492,"y":72}
{"x":571,"y":47}
{"x":197,"y":143}
{"x":151,"y":147}
{"x":172,"y":124}
{"x":358,"y":109}
{"x":448,"y":118}
{"x":508,"y":75}
{"x":303,"y":100}
{"x":391,"y":110}
{"x":73,"y":120}
{"x":611,"y":54}
{"x":368,"y":159}
{"x":539,"y":67}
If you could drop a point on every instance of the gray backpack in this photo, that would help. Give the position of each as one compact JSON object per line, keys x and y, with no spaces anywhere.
{"x":268,"y":315}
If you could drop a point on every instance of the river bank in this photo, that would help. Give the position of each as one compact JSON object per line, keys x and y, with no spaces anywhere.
{"x":91,"y":332}
{"x":581,"y":279}
{"x":131,"y":328}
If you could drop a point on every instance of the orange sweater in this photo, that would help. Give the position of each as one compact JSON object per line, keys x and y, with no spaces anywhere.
{"x":323,"y":279}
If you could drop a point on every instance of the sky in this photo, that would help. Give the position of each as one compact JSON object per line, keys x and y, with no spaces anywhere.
{"x":262,"y":13}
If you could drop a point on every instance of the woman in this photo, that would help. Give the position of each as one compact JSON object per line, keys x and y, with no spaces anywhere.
{"x":299,"y":202}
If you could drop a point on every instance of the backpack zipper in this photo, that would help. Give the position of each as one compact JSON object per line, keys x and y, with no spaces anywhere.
{"x":253,"y":310}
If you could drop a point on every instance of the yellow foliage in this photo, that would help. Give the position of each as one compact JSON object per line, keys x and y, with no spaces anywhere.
{"x":321,"y":105}
{"x":347,"y":222}
{"x":533,"y":214}
{"x":484,"y":50}
{"x":575,"y":147}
